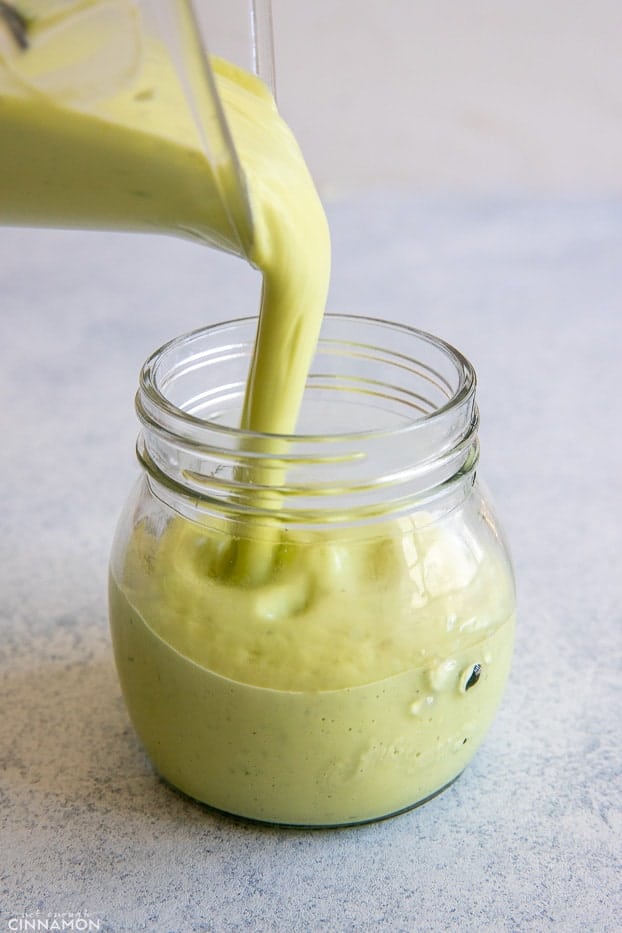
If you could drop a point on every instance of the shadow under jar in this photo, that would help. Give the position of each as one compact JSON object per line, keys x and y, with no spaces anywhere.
{"x":312,"y":630}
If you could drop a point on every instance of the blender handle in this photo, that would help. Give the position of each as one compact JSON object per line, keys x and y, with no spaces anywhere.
{"x":262,"y":35}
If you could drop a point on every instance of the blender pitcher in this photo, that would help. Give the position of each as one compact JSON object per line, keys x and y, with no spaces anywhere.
{"x":111,"y":118}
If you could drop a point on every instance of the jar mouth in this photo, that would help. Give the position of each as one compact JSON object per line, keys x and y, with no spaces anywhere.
{"x":174,"y":360}
{"x":387,"y":406}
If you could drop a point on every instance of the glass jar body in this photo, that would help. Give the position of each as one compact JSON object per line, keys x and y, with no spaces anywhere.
{"x":353,"y":677}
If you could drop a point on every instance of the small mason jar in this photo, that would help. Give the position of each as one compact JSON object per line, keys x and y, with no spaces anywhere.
{"x":316,"y":629}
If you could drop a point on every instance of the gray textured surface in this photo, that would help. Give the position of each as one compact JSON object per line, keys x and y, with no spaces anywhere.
{"x":529,"y":838}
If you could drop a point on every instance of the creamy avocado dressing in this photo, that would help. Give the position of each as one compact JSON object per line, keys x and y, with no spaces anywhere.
{"x":360,"y":679}
{"x":308,"y":757}
{"x":310,"y":679}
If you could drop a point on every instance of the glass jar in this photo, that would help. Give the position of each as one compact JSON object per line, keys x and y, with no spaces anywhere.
{"x":311,"y":630}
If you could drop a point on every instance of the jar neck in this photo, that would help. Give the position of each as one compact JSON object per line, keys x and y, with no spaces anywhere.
{"x":388,"y":423}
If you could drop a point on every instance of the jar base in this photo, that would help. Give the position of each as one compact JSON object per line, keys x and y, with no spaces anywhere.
{"x":283,"y":824}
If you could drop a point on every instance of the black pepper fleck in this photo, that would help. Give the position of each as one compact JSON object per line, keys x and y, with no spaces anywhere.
{"x":475,"y":675}
{"x":147,"y":94}
{"x":16,"y":23}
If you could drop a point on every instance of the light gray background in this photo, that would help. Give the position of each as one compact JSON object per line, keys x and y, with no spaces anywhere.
{"x":459,"y":95}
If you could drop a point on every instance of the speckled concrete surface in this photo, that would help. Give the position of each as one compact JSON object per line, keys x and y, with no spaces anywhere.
{"x":529,"y":838}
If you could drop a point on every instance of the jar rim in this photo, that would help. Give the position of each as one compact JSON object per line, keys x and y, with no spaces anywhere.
{"x":364,"y":368}
{"x":149,"y":386}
